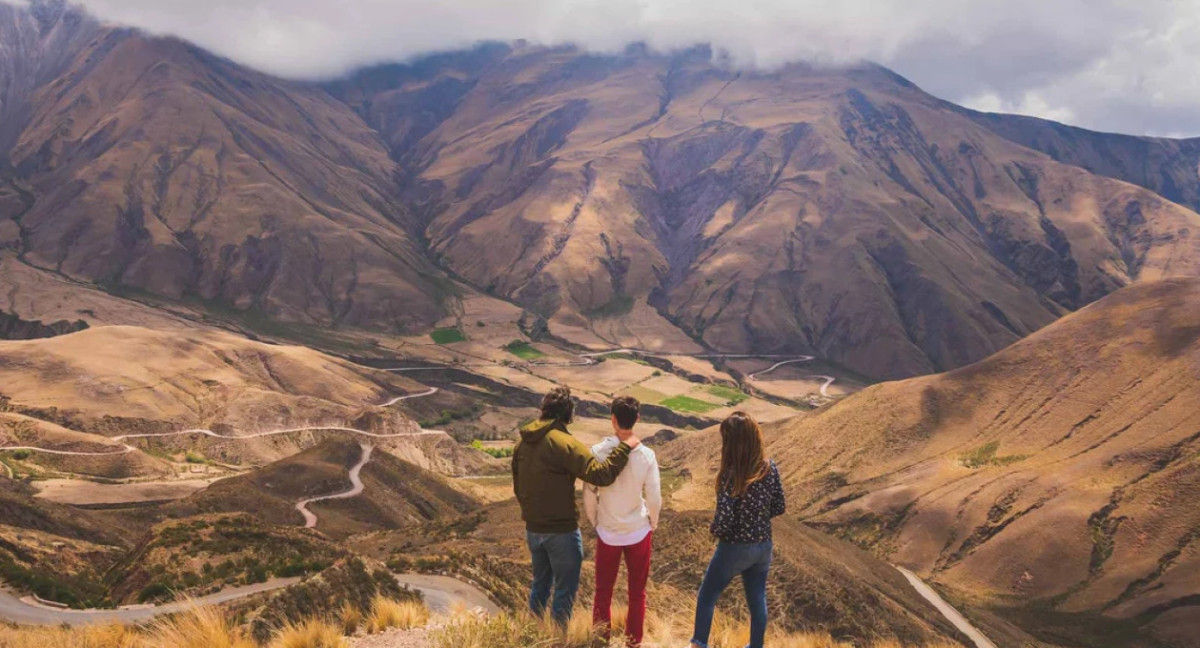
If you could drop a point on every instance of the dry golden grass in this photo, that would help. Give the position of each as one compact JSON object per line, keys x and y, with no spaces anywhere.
{"x":313,"y":633}
{"x":350,"y":618}
{"x":114,"y":636}
{"x":662,"y":631}
{"x":209,"y":628}
{"x":200,"y":627}
{"x":403,"y":615}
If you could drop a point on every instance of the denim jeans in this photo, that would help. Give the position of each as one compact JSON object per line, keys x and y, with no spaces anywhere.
{"x":557,"y":559}
{"x":752,"y":562}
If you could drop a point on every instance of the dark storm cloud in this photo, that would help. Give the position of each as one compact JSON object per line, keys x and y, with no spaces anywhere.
{"x":1108,"y":64}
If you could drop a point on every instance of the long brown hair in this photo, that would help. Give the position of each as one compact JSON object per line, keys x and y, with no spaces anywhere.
{"x":742,"y":458}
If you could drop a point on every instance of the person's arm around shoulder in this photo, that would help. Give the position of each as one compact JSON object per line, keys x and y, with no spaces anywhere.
{"x":591,"y":494}
{"x":653,"y":490}
{"x":577,"y":459}
{"x":778,"y":498}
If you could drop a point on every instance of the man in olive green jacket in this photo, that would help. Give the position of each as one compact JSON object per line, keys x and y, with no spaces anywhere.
{"x":545,"y":465}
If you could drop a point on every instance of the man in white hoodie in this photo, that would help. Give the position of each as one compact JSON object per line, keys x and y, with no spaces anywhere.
{"x":625,"y":516}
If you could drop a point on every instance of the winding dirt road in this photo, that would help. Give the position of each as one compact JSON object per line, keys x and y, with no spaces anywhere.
{"x":26,"y":611}
{"x":126,"y":449}
{"x":827,"y":380}
{"x":952,"y":615}
{"x":589,"y":359}
{"x":356,"y":489}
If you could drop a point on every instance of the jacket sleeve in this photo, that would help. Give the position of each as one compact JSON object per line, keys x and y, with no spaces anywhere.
{"x":578,"y":460}
{"x":653,"y":492}
{"x":516,"y":472}
{"x":778,"y":498}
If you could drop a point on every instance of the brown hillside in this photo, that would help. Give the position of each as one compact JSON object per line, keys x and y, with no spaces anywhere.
{"x":145,"y":164}
{"x":396,"y":492}
{"x":842,"y":213}
{"x":126,"y":380}
{"x":1061,"y":472}
{"x":631,"y":198}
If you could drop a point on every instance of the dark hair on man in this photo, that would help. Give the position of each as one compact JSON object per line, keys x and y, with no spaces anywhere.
{"x":626,"y":410}
{"x":558,"y":406}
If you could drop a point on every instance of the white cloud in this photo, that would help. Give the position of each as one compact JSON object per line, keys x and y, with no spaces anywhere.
{"x":1109,"y":64}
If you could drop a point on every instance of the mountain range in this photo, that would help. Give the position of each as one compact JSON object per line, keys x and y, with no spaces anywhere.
{"x":841,"y":213}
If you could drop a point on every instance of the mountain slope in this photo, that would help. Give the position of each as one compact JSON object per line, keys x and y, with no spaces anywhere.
{"x":1165,"y":166}
{"x":145,"y":164}
{"x":842,"y":213}
{"x":396,"y":493}
{"x":1061,"y":472}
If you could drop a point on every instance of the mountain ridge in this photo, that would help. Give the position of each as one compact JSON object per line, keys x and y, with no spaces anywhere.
{"x":841,"y":213}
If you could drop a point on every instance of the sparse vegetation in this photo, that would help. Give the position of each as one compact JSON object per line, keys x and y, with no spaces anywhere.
{"x":732,"y":396}
{"x":499,"y":453}
{"x":448,"y":335}
{"x":523,"y":350}
{"x":985,"y":455}
{"x":21,"y":455}
{"x":617,"y":306}
{"x":448,"y":416}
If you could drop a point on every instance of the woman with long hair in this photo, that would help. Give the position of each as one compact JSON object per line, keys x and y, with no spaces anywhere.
{"x":749,"y":495}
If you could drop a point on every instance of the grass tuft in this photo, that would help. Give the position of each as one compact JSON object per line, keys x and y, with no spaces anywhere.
{"x":312,"y":633}
{"x":387,"y":613}
{"x":350,"y":617}
{"x":199,"y":627}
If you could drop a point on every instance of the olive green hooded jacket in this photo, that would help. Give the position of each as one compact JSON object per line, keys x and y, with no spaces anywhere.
{"x":545,"y":465}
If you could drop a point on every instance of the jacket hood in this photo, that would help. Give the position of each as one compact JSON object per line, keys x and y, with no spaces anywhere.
{"x":537,"y":430}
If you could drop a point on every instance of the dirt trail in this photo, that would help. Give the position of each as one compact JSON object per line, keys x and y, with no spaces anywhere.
{"x":952,"y":615}
{"x":26,"y":611}
{"x":126,"y":449}
{"x":589,"y":359}
{"x":356,"y":489}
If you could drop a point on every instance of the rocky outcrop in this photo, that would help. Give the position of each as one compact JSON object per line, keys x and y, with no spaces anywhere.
{"x":15,"y":328}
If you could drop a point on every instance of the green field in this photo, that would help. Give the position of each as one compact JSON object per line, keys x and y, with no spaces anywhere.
{"x":645,"y":394}
{"x":732,"y":396}
{"x":689,"y":404}
{"x":448,"y":336}
{"x":523,"y":350}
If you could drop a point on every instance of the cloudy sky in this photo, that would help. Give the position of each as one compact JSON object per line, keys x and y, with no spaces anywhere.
{"x":1116,"y":65}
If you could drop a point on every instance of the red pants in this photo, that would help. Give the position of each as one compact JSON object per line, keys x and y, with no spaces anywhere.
{"x":608,"y":563}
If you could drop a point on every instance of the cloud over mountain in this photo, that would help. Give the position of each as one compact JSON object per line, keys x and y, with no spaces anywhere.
{"x":1107,"y":64}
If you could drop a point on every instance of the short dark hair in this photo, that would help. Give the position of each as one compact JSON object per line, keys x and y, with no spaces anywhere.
{"x":626,"y":410}
{"x":558,"y":406}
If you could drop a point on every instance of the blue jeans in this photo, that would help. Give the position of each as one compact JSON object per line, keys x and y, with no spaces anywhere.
{"x":753,"y":562}
{"x":557,"y":559}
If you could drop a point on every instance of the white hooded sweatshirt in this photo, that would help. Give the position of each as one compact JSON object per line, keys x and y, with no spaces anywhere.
{"x":627,"y":511}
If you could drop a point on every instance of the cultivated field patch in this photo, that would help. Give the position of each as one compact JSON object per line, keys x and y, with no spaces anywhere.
{"x":524,"y":350}
{"x":448,"y":335}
